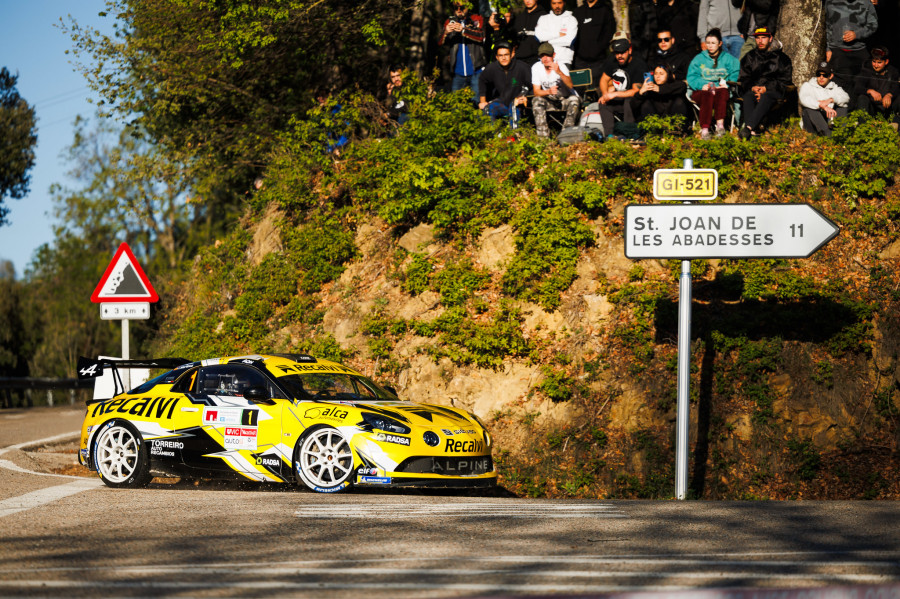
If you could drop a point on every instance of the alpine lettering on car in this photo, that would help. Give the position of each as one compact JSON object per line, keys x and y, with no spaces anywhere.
{"x":375,"y":480}
{"x":215,"y":415}
{"x":392,"y":439}
{"x":144,"y":407}
{"x":464,"y":446}
{"x":464,"y":467}
{"x":327,"y":413}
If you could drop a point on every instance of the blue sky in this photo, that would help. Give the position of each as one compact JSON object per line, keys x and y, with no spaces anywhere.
{"x":34,"y":47}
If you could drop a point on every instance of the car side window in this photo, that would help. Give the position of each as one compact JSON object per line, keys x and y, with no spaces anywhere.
{"x":229,"y":380}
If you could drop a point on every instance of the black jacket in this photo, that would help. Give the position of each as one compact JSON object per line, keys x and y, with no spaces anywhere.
{"x":596,"y":26}
{"x":675,"y":61}
{"x":647,"y":18}
{"x":523,"y":25}
{"x":771,"y":68}
{"x":762,"y":13}
{"x":885,"y":83}
{"x":497,"y":83}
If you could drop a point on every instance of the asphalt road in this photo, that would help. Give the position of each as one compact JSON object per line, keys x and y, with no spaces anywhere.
{"x":72,"y":536}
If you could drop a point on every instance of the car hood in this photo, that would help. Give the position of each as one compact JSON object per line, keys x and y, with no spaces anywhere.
{"x":426,"y":415}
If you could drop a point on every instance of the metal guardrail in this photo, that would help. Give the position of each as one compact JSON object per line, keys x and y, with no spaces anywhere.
{"x":20,"y":391}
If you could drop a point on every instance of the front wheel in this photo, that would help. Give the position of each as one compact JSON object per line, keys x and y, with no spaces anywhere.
{"x":323,"y":460}
{"x":120,"y":456}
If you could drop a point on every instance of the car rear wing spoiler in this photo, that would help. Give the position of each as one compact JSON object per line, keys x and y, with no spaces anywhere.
{"x":89,"y":368}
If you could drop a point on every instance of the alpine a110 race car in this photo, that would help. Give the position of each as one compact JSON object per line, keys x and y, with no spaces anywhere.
{"x":276,"y":418}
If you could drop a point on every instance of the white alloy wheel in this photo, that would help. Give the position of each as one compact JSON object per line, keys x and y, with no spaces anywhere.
{"x":120,"y":457}
{"x":324,"y":460}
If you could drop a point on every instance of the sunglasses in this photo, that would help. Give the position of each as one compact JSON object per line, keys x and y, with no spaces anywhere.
{"x":663,"y":39}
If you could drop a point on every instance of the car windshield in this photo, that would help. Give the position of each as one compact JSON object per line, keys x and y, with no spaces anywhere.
{"x":327,"y":386}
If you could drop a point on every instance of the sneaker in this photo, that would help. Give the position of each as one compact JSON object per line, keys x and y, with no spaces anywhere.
{"x":704,"y":134}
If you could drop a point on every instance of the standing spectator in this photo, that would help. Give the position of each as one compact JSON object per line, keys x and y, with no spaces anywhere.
{"x":708,"y":77}
{"x":559,"y":28}
{"x":848,"y":24}
{"x":821,"y":100}
{"x":397,"y":107}
{"x":464,"y":34}
{"x":623,"y":75}
{"x":504,"y":84}
{"x":642,"y":16}
{"x":663,"y":95}
{"x":596,"y":25}
{"x":721,"y":15}
{"x":755,"y":14}
{"x":765,"y":74}
{"x":523,"y":25}
{"x":669,"y":53}
{"x":552,"y":89}
{"x":877,"y":88}
{"x":499,"y":30}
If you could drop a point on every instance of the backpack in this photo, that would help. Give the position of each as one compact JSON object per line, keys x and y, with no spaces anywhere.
{"x":577,"y":134}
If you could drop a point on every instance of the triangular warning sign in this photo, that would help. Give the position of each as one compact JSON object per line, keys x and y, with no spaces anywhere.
{"x":124,"y":281}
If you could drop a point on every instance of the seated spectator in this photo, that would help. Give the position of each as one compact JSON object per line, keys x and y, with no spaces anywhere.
{"x":559,"y":28}
{"x":504,"y":85}
{"x":397,"y":107}
{"x":821,"y":100}
{"x":877,"y":88}
{"x":662,"y":94}
{"x":553,"y":90}
{"x":646,"y":17}
{"x":464,"y":34}
{"x":596,"y":26}
{"x":765,"y":75}
{"x":708,"y":77}
{"x":668,"y":52}
{"x":623,"y":74}
{"x":523,"y":25}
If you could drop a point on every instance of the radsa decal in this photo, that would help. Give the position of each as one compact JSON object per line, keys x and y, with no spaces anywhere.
{"x":222,"y":416}
{"x":240,"y":437}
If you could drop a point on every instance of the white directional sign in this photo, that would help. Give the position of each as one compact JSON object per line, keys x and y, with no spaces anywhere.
{"x":125,"y":311}
{"x":689,"y":231}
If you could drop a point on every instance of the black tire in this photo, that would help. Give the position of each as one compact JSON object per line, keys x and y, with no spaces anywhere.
{"x":121,"y":456}
{"x":323,"y":460}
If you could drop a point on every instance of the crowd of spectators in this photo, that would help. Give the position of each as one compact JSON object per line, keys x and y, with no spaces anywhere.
{"x":717,"y":63}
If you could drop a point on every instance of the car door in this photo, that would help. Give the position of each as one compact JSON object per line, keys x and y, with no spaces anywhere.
{"x":235,"y":433}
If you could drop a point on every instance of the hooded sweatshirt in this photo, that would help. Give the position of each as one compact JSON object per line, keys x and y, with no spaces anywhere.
{"x":718,"y":14}
{"x":560,"y":31}
{"x":704,"y":69}
{"x":854,"y":15}
{"x":811,"y":93}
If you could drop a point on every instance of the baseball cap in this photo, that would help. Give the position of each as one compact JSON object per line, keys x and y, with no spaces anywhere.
{"x":880,"y":52}
{"x":824,"y":69}
{"x":762,"y":31}
{"x":546,"y":49}
{"x":620,"y":45}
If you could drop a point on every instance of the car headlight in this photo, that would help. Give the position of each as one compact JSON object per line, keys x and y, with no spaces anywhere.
{"x":431,"y":439}
{"x":383,"y":423}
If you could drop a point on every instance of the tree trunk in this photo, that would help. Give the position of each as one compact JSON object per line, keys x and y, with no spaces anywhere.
{"x":424,"y":31}
{"x":801,"y":28}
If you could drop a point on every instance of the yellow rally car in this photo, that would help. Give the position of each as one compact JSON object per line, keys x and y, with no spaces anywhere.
{"x":276,"y":418}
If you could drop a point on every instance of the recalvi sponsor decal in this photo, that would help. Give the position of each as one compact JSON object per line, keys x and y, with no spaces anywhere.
{"x":144,"y":407}
{"x":460,"y":446}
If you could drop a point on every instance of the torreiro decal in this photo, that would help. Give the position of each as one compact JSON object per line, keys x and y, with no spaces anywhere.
{"x":144,"y":407}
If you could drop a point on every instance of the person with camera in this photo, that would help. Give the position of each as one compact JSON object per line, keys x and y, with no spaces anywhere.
{"x":552,"y":89}
{"x":504,"y":85}
{"x":662,"y":94}
{"x":464,"y":34}
{"x":523,"y":25}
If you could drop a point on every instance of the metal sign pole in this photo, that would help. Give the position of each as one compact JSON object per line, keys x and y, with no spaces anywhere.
{"x":682,"y":425}
{"x":126,"y":351}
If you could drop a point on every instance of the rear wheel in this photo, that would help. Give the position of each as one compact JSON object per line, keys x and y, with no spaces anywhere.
{"x":120,"y":456}
{"x":323,"y":460}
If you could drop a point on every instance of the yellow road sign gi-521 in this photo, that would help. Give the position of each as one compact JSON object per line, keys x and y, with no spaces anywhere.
{"x":686,"y":184}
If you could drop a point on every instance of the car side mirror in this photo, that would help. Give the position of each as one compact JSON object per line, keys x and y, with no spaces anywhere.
{"x":257,"y":394}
